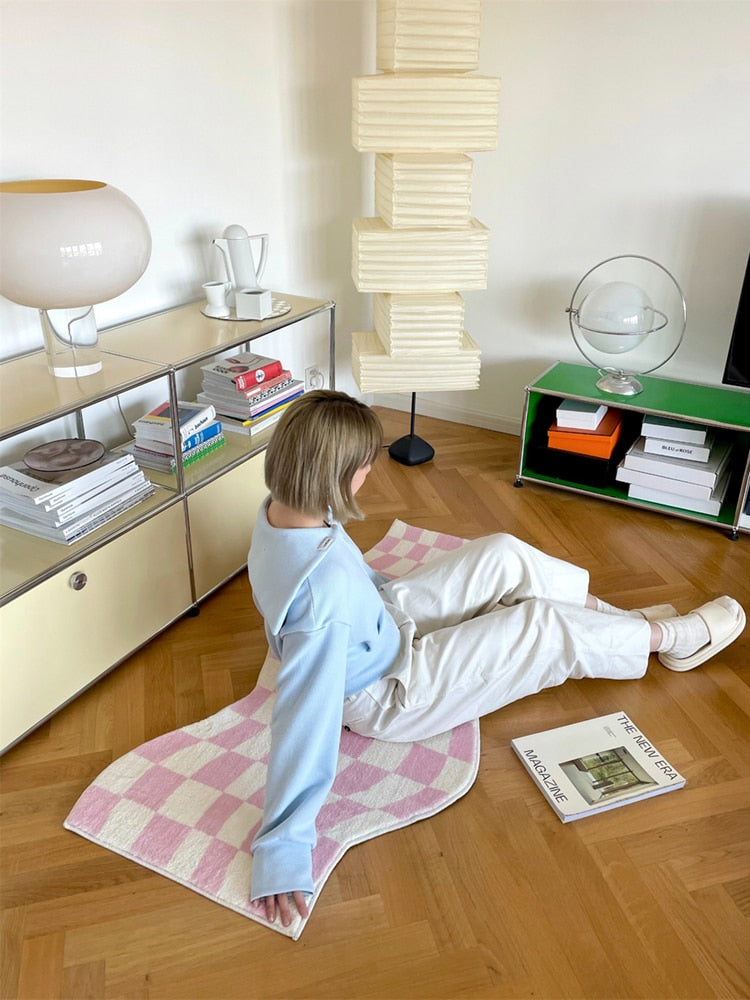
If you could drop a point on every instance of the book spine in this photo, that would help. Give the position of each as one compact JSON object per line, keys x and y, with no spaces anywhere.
{"x":673,"y":430}
{"x":711,"y":506}
{"x":265,"y":388}
{"x":274,"y":408}
{"x":206,"y":449}
{"x":679,"y":487}
{"x":677,"y":449}
{"x":270,"y":404}
{"x":250,"y":378}
{"x":17,"y":484}
{"x":205,"y":434}
{"x":191,"y":427}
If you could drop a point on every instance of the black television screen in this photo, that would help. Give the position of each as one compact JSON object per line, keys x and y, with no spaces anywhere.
{"x":737,"y":369}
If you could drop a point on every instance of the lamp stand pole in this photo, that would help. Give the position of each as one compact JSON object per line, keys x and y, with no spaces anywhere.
{"x":411,"y":450}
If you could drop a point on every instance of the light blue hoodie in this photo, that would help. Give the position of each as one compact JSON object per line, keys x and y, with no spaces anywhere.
{"x":327,"y":624}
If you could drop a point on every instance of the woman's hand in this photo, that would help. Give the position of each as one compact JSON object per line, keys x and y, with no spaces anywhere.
{"x":281,"y":901}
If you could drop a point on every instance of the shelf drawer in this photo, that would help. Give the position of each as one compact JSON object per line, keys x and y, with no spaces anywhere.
{"x":222,"y":515}
{"x":57,"y":640}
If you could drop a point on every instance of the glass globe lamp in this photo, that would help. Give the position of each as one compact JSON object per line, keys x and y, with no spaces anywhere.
{"x":616,"y":326}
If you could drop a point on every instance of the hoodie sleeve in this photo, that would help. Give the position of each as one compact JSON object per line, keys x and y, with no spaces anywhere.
{"x":305,"y":734}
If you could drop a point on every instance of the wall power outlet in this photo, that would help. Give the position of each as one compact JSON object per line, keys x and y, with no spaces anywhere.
{"x":314,"y":378}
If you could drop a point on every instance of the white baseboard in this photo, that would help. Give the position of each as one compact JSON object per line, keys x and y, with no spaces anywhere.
{"x":446,"y":411}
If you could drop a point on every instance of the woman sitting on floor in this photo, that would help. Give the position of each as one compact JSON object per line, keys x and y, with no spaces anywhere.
{"x":471,"y":631}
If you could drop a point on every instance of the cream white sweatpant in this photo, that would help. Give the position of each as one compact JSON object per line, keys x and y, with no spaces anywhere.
{"x":483,"y":626}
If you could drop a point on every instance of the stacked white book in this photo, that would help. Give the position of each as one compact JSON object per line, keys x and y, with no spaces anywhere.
{"x":248,"y":391}
{"x":63,"y":503}
{"x":678,"y":465}
{"x":200,"y":435}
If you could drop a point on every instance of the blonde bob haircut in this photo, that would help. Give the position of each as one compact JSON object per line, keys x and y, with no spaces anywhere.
{"x":322,"y":439}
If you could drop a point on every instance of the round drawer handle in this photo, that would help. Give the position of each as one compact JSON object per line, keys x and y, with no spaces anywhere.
{"x":78,"y":581}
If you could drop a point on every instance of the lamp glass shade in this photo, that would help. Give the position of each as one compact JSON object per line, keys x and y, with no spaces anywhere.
{"x":69,"y":244}
{"x":616,"y":317}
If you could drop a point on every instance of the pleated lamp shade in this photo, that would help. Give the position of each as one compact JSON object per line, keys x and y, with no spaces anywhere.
{"x":424,"y":112}
{"x":418,"y":260}
{"x":410,"y":325}
{"x":423,"y":190}
{"x":377,"y":371}
{"x":414,"y":35}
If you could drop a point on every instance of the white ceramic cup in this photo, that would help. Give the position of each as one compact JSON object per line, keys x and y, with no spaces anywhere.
{"x":216,"y":299}
{"x":253,"y":303}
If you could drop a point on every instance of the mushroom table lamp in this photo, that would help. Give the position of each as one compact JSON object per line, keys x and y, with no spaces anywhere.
{"x":68,"y":245}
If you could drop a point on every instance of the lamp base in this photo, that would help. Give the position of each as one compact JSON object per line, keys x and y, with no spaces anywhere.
{"x":620,"y":384}
{"x":74,"y":370}
{"x":411,"y":450}
{"x":71,"y":344}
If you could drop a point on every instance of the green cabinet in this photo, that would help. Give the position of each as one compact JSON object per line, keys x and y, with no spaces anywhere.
{"x":726,"y":410}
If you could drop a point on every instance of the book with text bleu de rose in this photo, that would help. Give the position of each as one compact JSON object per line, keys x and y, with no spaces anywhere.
{"x":698,"y":505}
{"x":596,"y":765}
{"x":703,"y":473}
{"x":157,"y":423}
{"x":679,"y":449}
{"x":245,"y":369}
{"x":576,"y":413}
{"x":669,"y":429}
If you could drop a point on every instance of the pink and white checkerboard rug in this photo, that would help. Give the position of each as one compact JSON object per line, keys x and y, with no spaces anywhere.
{"x":188,"y":804}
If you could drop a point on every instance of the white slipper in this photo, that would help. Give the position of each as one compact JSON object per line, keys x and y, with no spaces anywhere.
{"x":657,"y":611}
{"x":724,"y":620}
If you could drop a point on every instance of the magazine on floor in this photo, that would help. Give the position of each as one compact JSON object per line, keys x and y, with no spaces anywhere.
{"x":595,"y":765}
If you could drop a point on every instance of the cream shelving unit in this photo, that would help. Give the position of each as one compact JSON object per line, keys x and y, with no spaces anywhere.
{"x":68,"y":614}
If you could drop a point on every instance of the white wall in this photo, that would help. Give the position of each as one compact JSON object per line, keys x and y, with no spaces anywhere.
{"x":623,"y":129}
{"x":205,"y":113}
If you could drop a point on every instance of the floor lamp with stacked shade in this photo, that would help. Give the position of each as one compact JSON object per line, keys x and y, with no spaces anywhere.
{"x":421,"y":114}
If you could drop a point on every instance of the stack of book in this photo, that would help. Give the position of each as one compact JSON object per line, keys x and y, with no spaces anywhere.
{"x":65,"y":504}
{"x":201,"y":434}
{"x":585,"y":429}
{"x":677,"y":465}
{"x":249,"y":391}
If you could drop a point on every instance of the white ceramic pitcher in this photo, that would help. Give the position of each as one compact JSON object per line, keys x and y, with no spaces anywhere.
{"x":236,"y":248}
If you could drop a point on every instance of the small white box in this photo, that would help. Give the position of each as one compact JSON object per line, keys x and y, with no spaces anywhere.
{"x":253,"y":303}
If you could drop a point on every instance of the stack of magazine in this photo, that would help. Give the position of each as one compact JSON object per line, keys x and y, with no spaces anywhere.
{"x":201,"y":434}
{"x":678,"y":465}
{"x":249,"y":391}
{"x":64,"y":490}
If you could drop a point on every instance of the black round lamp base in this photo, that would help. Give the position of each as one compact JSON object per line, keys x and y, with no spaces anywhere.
{"x":411,"y":450}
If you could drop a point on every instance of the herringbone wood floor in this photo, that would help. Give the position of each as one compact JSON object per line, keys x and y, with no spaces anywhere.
{"x":492,"y":898}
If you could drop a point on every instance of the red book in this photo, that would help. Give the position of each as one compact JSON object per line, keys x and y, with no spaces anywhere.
{"x":599,"y":443}
{"x":218,"y":384}
{"x":244,"y":370}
